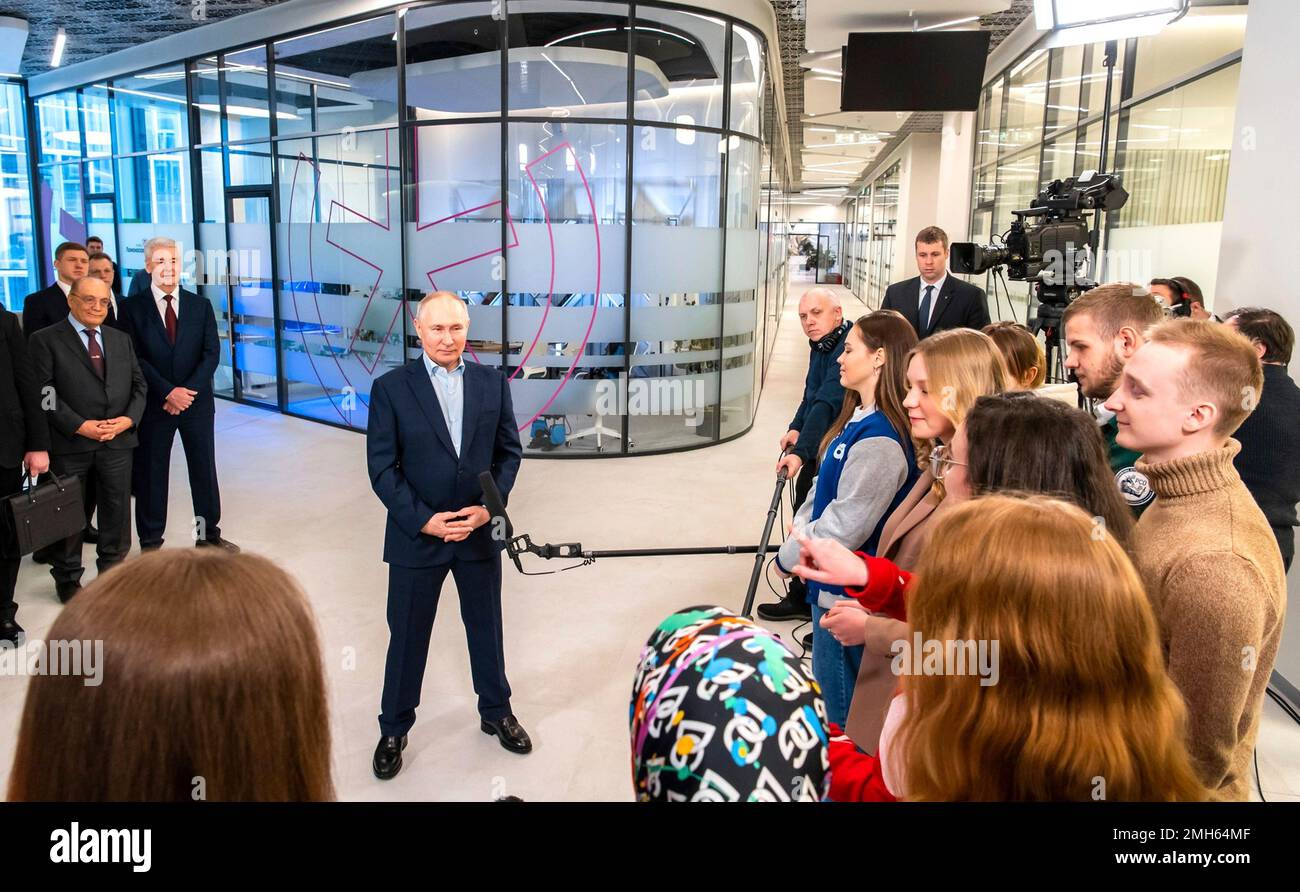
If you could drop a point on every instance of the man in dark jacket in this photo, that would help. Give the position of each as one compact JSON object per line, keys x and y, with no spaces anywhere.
{"x":1269,"y":461}
{"x":175,"y":336}
{"x":436,"y":423}
{"x":24,"y":448}
{"x":43,"y":308}
{"x":95,"y":393}
{"x":823,"y":322}
{"x":935,"y":300}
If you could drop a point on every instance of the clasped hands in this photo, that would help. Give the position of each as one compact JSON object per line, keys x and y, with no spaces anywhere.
{"x":105,"y":429}
{"x":444,"y":527}
{"x":180,"y":399}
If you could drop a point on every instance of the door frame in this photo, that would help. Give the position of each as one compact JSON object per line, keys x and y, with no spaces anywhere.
{"x":232,"y":194}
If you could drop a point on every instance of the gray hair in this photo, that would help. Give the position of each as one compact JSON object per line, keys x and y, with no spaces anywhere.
{"x":158,"y":241}
{"x":823,"y":294}
{"x":439,"y":295}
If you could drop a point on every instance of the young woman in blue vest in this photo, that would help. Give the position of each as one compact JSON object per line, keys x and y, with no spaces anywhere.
{"x":867,"y":465}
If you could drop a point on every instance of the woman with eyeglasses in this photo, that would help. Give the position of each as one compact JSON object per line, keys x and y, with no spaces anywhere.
{"x":1010,"y":442}
{"x":1071,"y":702}
{"x":867,"y":465}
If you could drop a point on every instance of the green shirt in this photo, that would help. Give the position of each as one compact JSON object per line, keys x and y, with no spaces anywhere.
{"x":1133,"y":485}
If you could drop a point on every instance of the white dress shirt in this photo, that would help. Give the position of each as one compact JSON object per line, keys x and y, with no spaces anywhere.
{"x":162,"y":304}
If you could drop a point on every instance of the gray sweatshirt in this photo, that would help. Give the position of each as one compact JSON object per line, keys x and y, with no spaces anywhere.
{"x":874,"y":470}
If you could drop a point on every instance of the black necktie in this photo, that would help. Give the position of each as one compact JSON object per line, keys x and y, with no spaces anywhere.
{"x":925,"y":311}
{"x":96,"y":354}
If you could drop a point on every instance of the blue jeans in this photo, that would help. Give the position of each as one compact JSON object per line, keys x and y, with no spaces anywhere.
{"x":836,"y":669}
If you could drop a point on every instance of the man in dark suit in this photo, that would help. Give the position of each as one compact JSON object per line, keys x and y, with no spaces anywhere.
{"x":934,"y":300}
{"x":24,"y":449}
{"x":96,"y":400}
{"x":50,"y":305}
{"x":101,"y":267}
{"x":140,"y":282}
{"x":1269,"y":460}
{"x":435,"y":425}
{"x":175,"y":336}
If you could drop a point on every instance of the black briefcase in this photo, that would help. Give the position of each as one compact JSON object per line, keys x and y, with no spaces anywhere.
{"x":45,"y":513}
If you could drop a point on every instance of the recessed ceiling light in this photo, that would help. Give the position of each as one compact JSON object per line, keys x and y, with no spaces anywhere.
{"x":60,"y":42}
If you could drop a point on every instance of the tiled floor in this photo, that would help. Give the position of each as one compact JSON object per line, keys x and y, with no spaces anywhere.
{"x":297,"y":492}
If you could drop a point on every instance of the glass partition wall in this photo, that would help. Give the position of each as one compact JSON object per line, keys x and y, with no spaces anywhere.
{"x":600,"y":182}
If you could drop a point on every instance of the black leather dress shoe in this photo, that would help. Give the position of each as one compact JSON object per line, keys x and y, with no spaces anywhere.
{"x":90,"y":534}
{"x":11,"y":632}
{"x":218,"y":543}
{"x":388,"y":757}
{"x":786,"y":609}
{"x":512,"y":736}
{"x":67,"y":590}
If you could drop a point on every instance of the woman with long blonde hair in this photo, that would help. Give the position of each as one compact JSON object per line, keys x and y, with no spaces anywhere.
{"x":946,"y":374}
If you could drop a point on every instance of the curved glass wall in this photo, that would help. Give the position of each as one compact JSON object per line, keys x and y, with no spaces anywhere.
{"x":599,"y":189}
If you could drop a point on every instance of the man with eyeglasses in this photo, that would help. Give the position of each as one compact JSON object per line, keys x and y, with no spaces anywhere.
{"x":93,"y":393}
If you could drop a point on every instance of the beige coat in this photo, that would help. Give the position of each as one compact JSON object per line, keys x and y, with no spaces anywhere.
{"x":901,"y":541}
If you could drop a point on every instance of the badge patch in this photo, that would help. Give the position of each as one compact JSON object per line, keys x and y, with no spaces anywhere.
{"x":1134,"y":486}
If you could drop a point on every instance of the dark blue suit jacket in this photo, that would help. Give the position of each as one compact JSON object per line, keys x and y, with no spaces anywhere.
{"x":414,"y":468}
{"x":190,"y":363}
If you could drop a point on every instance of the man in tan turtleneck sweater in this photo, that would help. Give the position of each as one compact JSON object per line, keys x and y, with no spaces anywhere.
{"x":1209,"y":558}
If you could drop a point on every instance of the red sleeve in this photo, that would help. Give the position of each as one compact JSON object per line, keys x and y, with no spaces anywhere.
{"x":885,"y":589}
{"x":855,"y":776}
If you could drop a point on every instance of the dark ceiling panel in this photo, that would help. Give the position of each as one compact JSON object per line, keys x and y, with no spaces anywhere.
{"x":99,"y":27}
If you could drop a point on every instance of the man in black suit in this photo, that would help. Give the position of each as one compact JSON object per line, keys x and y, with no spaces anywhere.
{"x":435,"y":425}
{"x":934,"y":300}
{"x":95,"y":402}
{"x":103,"y":268}
{"x":50,"y":305}
{"x":175,"y":335}
{"x":24,"y":449}
{"x":1269,"y":460}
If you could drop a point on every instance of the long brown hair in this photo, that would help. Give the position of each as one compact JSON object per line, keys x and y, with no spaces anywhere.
{"x":211,"y":687}
{"x":1082,"y":706}
{"x":1021,"y":352}
{"x":891,"y":330}
{"x":1019,"y":441}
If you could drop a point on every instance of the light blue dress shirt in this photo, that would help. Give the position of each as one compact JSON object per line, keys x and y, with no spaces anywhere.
{"x":81,"y":333}
{"x":450,"y":388}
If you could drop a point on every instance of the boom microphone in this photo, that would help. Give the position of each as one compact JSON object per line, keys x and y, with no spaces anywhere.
{"x":497,"y":508}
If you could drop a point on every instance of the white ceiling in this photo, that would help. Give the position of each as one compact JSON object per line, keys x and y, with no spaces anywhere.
{"x":838,"y":146}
